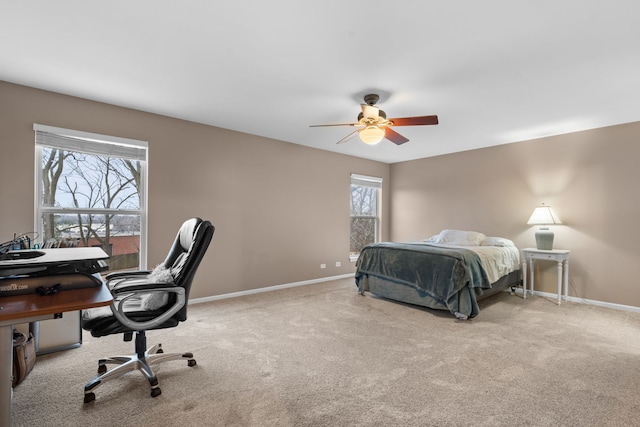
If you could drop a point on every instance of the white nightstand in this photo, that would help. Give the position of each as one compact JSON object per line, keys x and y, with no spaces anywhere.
{"x":561,"y":256}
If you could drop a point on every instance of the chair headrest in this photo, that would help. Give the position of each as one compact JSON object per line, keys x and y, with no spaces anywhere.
{"x":188,"y":249}
{"x":186,"y":235}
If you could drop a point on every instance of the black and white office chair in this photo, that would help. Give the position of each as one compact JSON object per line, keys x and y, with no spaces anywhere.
{"x":147,"y":300}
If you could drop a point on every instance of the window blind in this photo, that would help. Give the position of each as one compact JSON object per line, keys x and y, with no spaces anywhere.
{"x":366,"y":181}
{"x":95,"y":144}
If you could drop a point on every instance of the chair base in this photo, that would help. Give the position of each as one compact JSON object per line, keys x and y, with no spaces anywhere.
{"x":141,"y":361}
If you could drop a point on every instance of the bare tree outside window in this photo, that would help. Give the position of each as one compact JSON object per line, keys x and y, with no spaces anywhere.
{"x":364,"y":217}
{"x":92,"y":200}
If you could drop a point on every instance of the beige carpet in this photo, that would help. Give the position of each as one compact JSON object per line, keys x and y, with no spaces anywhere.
{"x":322,"y":355}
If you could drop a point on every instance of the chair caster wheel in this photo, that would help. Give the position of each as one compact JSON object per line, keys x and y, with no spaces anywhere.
{"x":89,"y":397}
{"x":155,"y":392}
{"x":160,"y":351}
{"x":191,"y":362}
{"x":102,"y":369}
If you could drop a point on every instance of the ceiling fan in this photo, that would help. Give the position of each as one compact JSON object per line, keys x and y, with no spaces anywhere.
{"x":374,"y":124}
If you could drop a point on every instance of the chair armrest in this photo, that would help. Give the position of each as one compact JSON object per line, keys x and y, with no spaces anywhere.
{"x":126,"y":291}
{"x":119,"y":274}
{"x":135,"y":284}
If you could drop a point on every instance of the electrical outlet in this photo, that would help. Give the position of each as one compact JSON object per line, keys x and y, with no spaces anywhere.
{"x":338,"y":263}
{"x":323,"y":265}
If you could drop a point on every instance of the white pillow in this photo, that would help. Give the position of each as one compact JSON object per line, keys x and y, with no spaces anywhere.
{"x":160,"y":274}
{"x":432,"y":239}
{"x":497,"y":241}
{"x":155,"y":300}
{"x":458,"y":237}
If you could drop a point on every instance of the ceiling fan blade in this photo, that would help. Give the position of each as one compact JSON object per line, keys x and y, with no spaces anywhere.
{"x":338,"y":124}
{"x":348,"y":137}
{"x":394,"y":136}
{"x":415,"y":121}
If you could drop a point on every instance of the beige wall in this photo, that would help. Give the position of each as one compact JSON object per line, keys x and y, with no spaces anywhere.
{"x":590,"y":179}
{"x":280,"y":209}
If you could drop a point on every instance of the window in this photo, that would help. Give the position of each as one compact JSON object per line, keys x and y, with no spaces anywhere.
{"x":91,"y":191}
{"x":365,"y":212}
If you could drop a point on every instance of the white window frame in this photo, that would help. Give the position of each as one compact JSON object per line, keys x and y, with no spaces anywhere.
{"x":374,"y":182}
{"x":93,"y":143}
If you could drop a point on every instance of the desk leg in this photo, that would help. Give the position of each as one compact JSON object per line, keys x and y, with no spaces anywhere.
{"x":566,"y":279}
{"x":6,"y":367}
{"x":524,"y":279}
{"x":559,"y":281}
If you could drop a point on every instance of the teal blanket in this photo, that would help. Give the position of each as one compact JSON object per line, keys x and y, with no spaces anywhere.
{"x":444,"y":277}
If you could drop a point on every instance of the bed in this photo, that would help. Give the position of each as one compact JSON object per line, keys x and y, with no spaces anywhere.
{"x":449,"y":271}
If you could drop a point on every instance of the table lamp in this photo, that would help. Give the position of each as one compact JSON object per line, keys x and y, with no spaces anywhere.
{"x":543,"y":215}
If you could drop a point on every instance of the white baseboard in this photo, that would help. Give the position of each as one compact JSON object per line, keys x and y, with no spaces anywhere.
{"x":587,"y":301}
{"x":269,"y":288}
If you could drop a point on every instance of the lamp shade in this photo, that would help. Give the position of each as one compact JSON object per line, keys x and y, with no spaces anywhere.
{"x":543,"y":215}
{"x":372,"y":134}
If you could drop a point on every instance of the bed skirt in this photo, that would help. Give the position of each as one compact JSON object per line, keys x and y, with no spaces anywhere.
{"x":408,"y":294}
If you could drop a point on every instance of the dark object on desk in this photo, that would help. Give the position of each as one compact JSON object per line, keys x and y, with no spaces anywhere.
{"x":22,"y":241}
{"x":24,"y":356}
{"x":147,"y":300}
{"x":46,"y":285}
{"x":16,"y":255}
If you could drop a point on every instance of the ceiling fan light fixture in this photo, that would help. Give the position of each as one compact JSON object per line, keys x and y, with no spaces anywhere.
{"x":371,"y":134}
{"x":376,"y":126}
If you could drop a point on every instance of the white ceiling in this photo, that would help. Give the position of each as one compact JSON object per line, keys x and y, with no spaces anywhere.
{"x":494,"y":71}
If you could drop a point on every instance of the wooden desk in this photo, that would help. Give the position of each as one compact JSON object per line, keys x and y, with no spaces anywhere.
{"x":31,"y":308}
